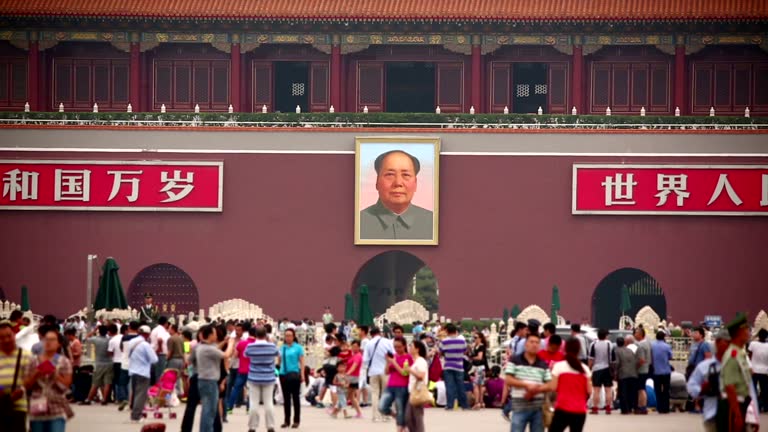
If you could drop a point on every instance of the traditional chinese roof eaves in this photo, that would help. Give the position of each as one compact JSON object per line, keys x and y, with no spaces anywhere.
{"x":396,"y":10}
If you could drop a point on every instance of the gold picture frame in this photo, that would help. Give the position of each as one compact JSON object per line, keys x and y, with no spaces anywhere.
{"x":397,"y":205}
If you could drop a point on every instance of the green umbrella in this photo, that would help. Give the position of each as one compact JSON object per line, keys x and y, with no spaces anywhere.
{"x":110,"y":295}
{"x":505,"y":315}
{"x":515,"y":311}
{"x":24,"y":298}
{"x":625,"y":303}
{"x":555,"y":304}
{"x":349,"y":307}
{"x":365,"y":316}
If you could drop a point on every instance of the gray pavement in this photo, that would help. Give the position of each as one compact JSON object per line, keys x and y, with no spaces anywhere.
{"x":98,"y":418}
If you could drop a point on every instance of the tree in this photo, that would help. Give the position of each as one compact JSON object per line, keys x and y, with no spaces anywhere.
{"x":426,"y":290}
{"x":515,"y":311}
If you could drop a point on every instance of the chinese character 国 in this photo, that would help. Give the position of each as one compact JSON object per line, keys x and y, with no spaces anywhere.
{"x":72,"y":185}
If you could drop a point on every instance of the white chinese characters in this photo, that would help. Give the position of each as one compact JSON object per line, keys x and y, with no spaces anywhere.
{"x":183,"y":184}
{"x":19,"y":182}
{"x":119,"y":180}
{"x":723,"y":183}
{"x":667,"y":184}
{"x":619,"y":191}
{"x":764,"y":200}
{"x":72,"y":185}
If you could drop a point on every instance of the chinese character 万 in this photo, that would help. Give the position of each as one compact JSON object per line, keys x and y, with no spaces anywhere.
{"x":723,"y":183}
{"x":22,"y":182}
{"x":134,"y":182}
{"x":764,"y":201}
{"x":176,"y":182}
{"x":666,"y":184}
{"x":72,"y":185}
{"x":619,"y":191}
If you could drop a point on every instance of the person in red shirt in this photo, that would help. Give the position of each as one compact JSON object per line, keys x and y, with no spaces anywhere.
{"x":242,"y":369}
{"x":354,"y":363}
{"x":552,"y":354}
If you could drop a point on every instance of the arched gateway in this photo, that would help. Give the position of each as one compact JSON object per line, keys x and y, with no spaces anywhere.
{"x":642,"y":289}
{"x":173,"y":290}
{"x":395,"y":276}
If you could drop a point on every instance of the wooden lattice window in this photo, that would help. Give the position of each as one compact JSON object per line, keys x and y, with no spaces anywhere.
{"x":627,"y":87}
{"x":79,"y":83}
{"x":13,"y":83}
{"x":371,"y":86}
{"x":729,"y":87}
{"x":182,"y":84}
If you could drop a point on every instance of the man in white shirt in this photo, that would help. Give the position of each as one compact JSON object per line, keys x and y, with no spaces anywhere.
{"x":375,"y":365}
{"x":758,"y":353}
{"x":158,"y":340}
{"x":113,"y":347}
{"x":362,"y":332}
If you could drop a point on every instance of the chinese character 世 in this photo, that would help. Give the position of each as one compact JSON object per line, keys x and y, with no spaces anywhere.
{"x":185,"y":184}
{"x":72,"y":185}
{"x":134,"y":182}
{"x":667,"y":184}
{"x":23,"y":182}
{"x":723,"y":183}
{"x":619,"y":191}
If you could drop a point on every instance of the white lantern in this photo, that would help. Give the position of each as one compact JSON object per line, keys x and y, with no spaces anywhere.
{"x":162,"y":108}
{"x":298,"y":109}
{"x":95,"y":107}
{"x":677,"y":112}
{"x":26,"y":107}
{"x":642,"y":112}
{"x":540,"y":111}
{"x":263,"y":109}
{"x":197,"y":109}
{"x":712,"y":112}
{"x":130,"y":108}
{"x":61,"y":106}
{"x":437,"y":110}
{"x":506,"y":110}
{"x":573,"y":111}
{"x":472,"y":109}
{"x":331,"y":110}
{"x":608,"y":111}
{"x":746,"y":112}
{"x":231,"y":109}
{"x":365,"y":109}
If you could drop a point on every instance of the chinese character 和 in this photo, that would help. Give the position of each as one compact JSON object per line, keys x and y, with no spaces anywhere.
{"x":20,"y":182}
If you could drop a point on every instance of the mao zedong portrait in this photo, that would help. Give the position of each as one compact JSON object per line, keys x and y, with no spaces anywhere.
{"x":394,"y":217}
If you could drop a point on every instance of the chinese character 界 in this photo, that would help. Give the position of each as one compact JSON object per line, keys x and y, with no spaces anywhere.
{"x":723,"y":183}
{"x":134,"y":182}
{"x":176,"y":182}
{"x":764,"y":201}
{"x":619,"y":191}
{"x":23,"y":182}
{"x":667,"y":184}
{"x":72,"y":185}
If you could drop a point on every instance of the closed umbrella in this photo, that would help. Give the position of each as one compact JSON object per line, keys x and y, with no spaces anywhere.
{"x":349,"y":307}
{"x":24,"y":298}
{"x":555,"y":304}
{"x":110,"y":295}
{"x":515,"y":311}
{"x":626,"y":305}
{"x":365,"y":315}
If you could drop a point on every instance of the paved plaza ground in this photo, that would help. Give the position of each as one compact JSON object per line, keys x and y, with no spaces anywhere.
{"x":97,"y":418}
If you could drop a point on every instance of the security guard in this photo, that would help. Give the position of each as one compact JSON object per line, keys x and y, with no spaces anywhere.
{"x":735,"y":379}
{"x":148,"y":312}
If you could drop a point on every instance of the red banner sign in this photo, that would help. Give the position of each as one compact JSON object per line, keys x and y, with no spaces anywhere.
{"x":111,"y":185}
{"x":670,"y":189}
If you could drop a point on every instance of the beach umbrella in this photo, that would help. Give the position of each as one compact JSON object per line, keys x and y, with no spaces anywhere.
{"x":24,"y":298}
{"x":110,"y":295}
{"x":365,"y":315}
{"x":625,"y":303}
{"x":515,"y":311}
{"x":555,"y":304}
{"x":349,"y":307}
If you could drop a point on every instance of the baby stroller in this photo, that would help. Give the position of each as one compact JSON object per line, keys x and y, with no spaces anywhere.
{"x":161,"y":395}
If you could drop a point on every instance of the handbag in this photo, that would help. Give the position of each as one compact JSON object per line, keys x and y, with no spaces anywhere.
{"x":7,"y":405}
{"x":420,"y":396}
{"x":547,"y":413}
{"x":370,"y":362}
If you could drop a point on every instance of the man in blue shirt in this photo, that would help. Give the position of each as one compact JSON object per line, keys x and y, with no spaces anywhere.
{"x":699,"y":351}
{"x":661,"y":354}
{"x":699,"y":385}
{"x":142,"y":357}
{"x":261,"y":379}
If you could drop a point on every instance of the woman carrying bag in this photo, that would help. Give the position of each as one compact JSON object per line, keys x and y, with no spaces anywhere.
{"x":291,"y":370}
{"x":418,"y":386}
{"x":49,"y":377}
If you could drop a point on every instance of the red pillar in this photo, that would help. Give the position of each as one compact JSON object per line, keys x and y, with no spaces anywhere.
{"x":33,"y":76}
{"x":234,"y":79}
{"x":681,"y":83}
{"x":336,"y":77}
{"x":476,"y":78}
{"x":577,"y":81}
{"x":135,"y":79}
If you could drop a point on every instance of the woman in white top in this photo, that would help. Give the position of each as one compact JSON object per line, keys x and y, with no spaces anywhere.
{"x":418,"y":376}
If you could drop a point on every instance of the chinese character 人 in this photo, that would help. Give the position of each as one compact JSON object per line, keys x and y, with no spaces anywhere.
{"x":183,"y":184}
{"x":619,"y":191}
{"x":667,"y":184}
{"x":20,"y":182}
{"x":72,"y":185}
{"x":723,"y":183}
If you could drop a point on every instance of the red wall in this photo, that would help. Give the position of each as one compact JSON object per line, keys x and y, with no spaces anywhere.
{"x":285,"y":241}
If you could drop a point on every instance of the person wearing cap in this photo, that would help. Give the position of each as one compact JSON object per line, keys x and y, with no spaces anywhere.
{"x":735,"y":379}
{"x":148,"y":312}
{"x":142,"y":357}
{"x":703,"y":382}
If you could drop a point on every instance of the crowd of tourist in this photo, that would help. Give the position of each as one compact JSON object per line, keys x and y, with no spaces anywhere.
{"x":543,"y":380}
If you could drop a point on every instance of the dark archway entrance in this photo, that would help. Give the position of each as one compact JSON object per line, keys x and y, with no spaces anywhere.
{"x":173,"y":290}
{"x":410,"y":87}
{"x":396,"y":276}
{"x":643,"y":290}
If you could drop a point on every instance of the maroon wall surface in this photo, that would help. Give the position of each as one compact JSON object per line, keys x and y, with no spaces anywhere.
{"x":285,"y":241}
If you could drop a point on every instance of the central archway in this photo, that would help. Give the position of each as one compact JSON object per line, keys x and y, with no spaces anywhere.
{"x":395,"y":276}
{"x":642,"y":288}
{"x":173,"y":290}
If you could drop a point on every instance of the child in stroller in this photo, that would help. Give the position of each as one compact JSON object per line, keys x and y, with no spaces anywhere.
{"x":161,"y":395}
